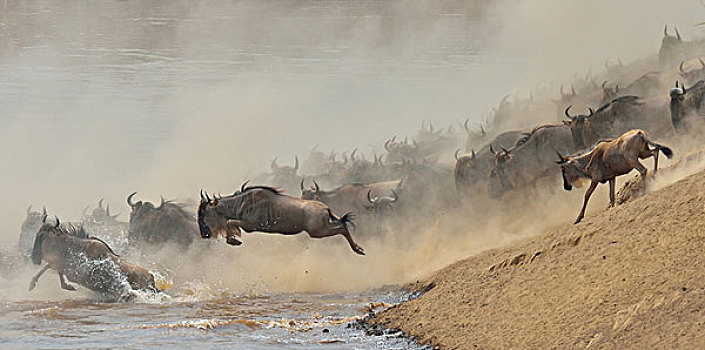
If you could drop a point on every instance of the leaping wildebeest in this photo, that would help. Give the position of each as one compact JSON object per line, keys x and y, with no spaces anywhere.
{"x":607,"y":160}
{"x":266,"y":209}
{"x":87,"y":261}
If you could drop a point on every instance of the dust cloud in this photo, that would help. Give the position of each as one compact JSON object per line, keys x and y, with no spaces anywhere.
{"x":167,"y":99}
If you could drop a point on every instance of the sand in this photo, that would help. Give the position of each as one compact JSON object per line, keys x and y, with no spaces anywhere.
{"x":631,"y":277}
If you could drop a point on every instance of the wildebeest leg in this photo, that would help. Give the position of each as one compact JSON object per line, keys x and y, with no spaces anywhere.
{"x":356,"y":248}
{"x":65,"y":285}
{"x":33,"y":283}
{"x":612,"y":183}
{"x":641,"y":169}
{"x":342,"y":231}
{"x":588,"y":193}
{"x":232,"y":232}
{"x":655,"y":160}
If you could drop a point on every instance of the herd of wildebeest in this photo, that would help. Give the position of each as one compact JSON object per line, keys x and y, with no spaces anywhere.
{"x":658,"y":97}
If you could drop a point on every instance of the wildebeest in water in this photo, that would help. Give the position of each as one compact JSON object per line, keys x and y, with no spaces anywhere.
{"x":87,"y":261}
{"x":167,"y":223}
{"x":265,"y":209}
{"x":607,"y":160}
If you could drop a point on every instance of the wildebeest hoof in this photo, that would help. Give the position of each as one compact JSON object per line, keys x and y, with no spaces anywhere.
{"x":69,"y":287}
{"x":359,"y":250}
{"x":577,"y":221}
{"x":32,"y":285}
{"x":233,"y":241}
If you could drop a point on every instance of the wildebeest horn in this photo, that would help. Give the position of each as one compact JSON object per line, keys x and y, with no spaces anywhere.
{"x":162,"y":202}
{"x":678,"y":35}
{"x":29,"y":208}
{"x":472,"y":154}
{"x":683,"y":87}
{"x":352,"y":155}
{"x":202,"y":196}
{"x":482,"y":130}
{"x":386,"y":145}
{"x":456,"y":153}
{"x":314,"y":147}
{"x":242,"y":188}
{"x":561,"y":157}
{"x":591,"y":111}
{"x":465,"y":125}
{"x":100,"y":203}
{"x":505,"y":150}
{"x":316,"y":185}
{"x":302,"y":183}
{"x":492,"y":149}
{"x":57,"y":222}
{"x":572,"y":89}
{"x":107,"y":210}
{"x":44,"y":211}
{"x":604,"y":83}
{"x":129,"y":199}
{"x":504,"y":100}
{"x":702,"y":63}
{"x":680,"y":68}
{"x":368,"y":196}
{"x":395,"y":195}
{"x":665,"y":30}
{"x":296,"y":164}
{"x":567,"y":114}
{"x":273,"y":165}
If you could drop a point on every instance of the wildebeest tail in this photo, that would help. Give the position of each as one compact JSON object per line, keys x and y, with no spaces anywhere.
{"x":665,"y":150}
{"x":346,"y":219}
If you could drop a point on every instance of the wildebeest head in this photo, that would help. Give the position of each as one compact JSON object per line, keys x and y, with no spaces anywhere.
{"x":678,"y":93}
{"x":498,"y":183}
{"x":101,"y":214}
{"x":572,"y":172}
{"x":284,"y":170}
{"x":692,"y":75}
{"x":44,"y":230}
{"x":206,"y":214}
{"x":609,"y":93}
{"x":382,"y":204}
{"x":580,"y":128}
{"x":671,"y":47}
{"x":312,"y":193}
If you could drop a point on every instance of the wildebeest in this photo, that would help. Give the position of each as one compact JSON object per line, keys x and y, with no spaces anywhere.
{"x":87,"y":261}
{"x":672,"y":48}
{"x":100,"y":214}
{"x":471,"y":169}
{"x":685,"y":102}
{"x":30,"y":226}
{"x":607,"y":160}
{"x":523,"y":165}
{"x":265,"y":209}
{"x":167,"y":223}
{"x":349,"y":197}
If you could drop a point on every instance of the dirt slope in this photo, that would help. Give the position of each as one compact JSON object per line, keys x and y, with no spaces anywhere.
{"x":632,"y":277}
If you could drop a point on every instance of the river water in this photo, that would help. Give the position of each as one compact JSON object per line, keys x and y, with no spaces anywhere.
{"x":99,"y":98}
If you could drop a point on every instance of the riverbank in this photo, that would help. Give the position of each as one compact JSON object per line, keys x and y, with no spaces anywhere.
{"x":632,"y":277}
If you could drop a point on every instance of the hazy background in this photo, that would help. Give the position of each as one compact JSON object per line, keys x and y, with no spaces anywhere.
{"x":102,"y":98}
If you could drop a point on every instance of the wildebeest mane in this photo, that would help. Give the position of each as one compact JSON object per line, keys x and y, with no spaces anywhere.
{"x":631,"y":99}
{"x":261,"y":187}
{"x":525,"y":137}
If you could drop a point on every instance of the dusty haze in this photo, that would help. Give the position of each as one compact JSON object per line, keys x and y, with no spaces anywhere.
{"x":166,"y":98}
